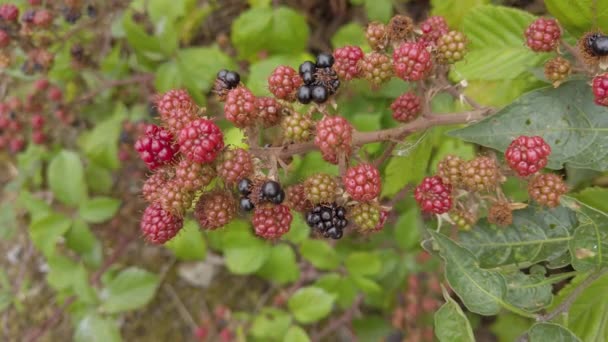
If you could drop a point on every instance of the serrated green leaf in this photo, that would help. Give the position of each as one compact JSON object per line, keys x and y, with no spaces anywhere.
{"x":410,"y":168}
{"x":320,"y":254}
{"x":270,"y":324}
{"x":246,"y":254}
{"x":310,"y":304}
{"x":131,"y":289}
{"x":189,"y":243}
{"x":454,"y":10}
{"x":363,"y":263}
{"x":65,"y":177}
{"x":537,"y":234}
{"x":281,"y":266}
{"x":481,"y":291}
{"x":580,"y":16}
{"x":98,"y":209}
{"x":542,"y":332}
{"x":341,"y":287}
{"x":46,"y":231}
{"x":451,"y":324}
{"x":566,"y":117}
{"x":94,"y":328}
{"x":299,"y":230}
{"x":101,"y":144}
{"x":528,"y":292}
{"x":589,"y":244}
{"x":296,"y":334}
{"x":407,"y":229}
{"x":595,"y":197}
{"x":366,"y":285}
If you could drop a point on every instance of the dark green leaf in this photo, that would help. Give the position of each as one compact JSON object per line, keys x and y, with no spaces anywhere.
{"x":542,"y":332}
{"x":451,"y":324}
{"x":310,"y":304}
{"x":509,"y":326}
{"x":589,"y":245}
{"x":580,"y":16}
{"x":189,"y":243}
{"x":94,"y":328}
{"x":320,"y":254}
{"x":131,"y":289}
{"x":595,"y":197}
{"x":528,"y":292}
{"x":66,"y":178}
{"x":537,"y":234}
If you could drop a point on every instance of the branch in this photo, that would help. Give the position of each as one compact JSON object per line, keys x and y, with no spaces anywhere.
{"x":391,"y":134}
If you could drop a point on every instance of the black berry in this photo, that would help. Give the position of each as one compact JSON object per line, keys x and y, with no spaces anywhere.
{"x":319,"y":94}
{"x":304,"y":94}
{"x":222,"y":74}
{"x":329,"y":219}
{"x":244,"y":186}
{"x":598,"y":44}
{"x":91,"y":11}
{"x":325,"y":60}
{"x":279,"y":198}
{"x":232,"y":79}
{"x":270,"y":189}
{"x":308,"y":78}
{"x":246,"y":204}
{"x":307,"y":67}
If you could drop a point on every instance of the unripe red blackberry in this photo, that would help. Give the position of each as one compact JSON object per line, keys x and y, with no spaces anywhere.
{"x":284,"y":82}
{"x":55,"y":94}
{"x":546,"y":189}
{"x":41,"y":84}
{"x":297,"y":127}
{"x":449,"y":170}
{"x":480,"y":174}
{"x":362,"y":182}
{"x":38,"y":137}
{"x":433,"y":28}
{"x":201,"y":140}
{"x":412,"y":61}
{"x":156,"y":147}
{"x":240,"y":107}
{"x":334,"y":135}
{"x":271,"y":222}
{"x":377,"y":36}
{"x":451,"y":47}
{"x":9,"y":12}
{"x":366,"y":216}
{"x":5,"y":39}
{"x":406,"y":107}
{"x":176,"y":109}
{"x":600,"y":89}
{"x":159,"y":226}
{"x":321,"y":188}
{"x":269,"y":111}
{"x":543,"y":35}
{"x":215,"y":209}
{"x":37,"y":121}
{"x":527,"y":155}
{"x":175,"y":199}
{"x":400,"y":28}
{"x":235,"y":164}
{"x":501,"y":214}
{"x":191,"y":176}
{"x":383,"y":218}
{"x":346,"y":61}
{"x":376,"y":68}
{"x":154,"y":185}
{"x":43,"y":18}
{"x":16,"y":144}
{"x":433,"y":196}
{"x":557,"y":70}
{"x":296,"y":198}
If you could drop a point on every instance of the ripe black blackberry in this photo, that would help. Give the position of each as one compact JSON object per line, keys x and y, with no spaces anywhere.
{"x":224,"y":82}
{"x":328,"y":219}
{"x":272,"y":192}
{"x":244,"y":187}
{"x":320,"y":80}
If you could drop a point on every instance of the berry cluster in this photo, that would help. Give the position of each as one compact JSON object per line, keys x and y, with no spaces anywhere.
{"x":328,"y":219}
{"x":319,"y":78}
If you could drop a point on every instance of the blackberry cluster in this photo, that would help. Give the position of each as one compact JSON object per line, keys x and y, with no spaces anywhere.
{"x":328,"y":219}
{"x":244,"y":187}
{"x":320,"y":80}
{"x":225,"y":81}
{"x":269,"y":191}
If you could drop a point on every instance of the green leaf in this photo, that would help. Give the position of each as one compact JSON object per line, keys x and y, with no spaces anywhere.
{"x":320,"y":254}
{"x":537,"y":234}
{"x":509,"y":326}
{"x":589,"y":245}
{"x":310,"y":304}
{"x":528,"y":292}
{"x":366,"y":285}
{"x":66,"y":178}
{"x":379,"y":10}
{"x":363,"y":263}
{"x":343,"y":288}
{"x":258,"y":76}
{"x":409,"y":166}
{"x":481,"y":291}
{"x":101,"y":144}
{"x":98,"y":209}
{"x":299,"y":230}
{"x":350,"y":34}
{"x":595,"y":197}
{"x":166,"y":9}
{"x":131,"y":289}
{"x":81,"y":240}
{"x":454,"y":10}
{"x":281,"y":266}
{"x":61,"y":272}
{"x":36,"y":207}
{"x":99,"y":179}
{"x":168,"y":76}
{"x":199,"y":66}
{"x":451,"y":324}
{"x":296,"y":334}
{"x":94,"y":328}
{"x":270,"y":324}
{"x":542,"y":332}
{"x":146,"y":46}
{"x":407,"y":229}
{"x":189,"y":243}
{"x":246,"y":254}
{"x":566,"y":117}
{"x":580,"y":16}
{"x":46,"y":231}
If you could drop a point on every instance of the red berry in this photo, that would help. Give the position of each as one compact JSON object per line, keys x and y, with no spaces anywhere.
{"x":35,"y":2}
{"x":174,"y":198}
{"x":37,"y":121}
{"x":235,"y":165}
{"x":271,"y":222}
{"x":215,"y":209}
{"x":268,"y":111}
{"x":295,"y":198}
{"x":158,"y":225}
{"x":362,"y":182}
{"x":543,"y":35}
{"x":240,"y":107}
{"x":600,"y":89}
{"x":546,"y":189}
{"x":383,"y":217}
{"x":17,"y":144}
{"x":406,"y":107}
{"x":5,"y":39}
{"x":284,"y":82}
{"x":55,"y":94}
{"x":156,"y":147}
{"x":412,"y":61}
{"x":43,"y":18}
{"x":176,"y":109}
{"x":201,"y":140}
{"x":334,"y":135}
{"x":527,"y":155}
{"x":38,"y":137}
{"x":9,"y":12}
{"x":433,"y":28}
{"x":154,"y":185}
{"x":41,"y":84}
{"x":192,"y":176}
{"x":346,"y":61}
{"x":433,"y":196}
